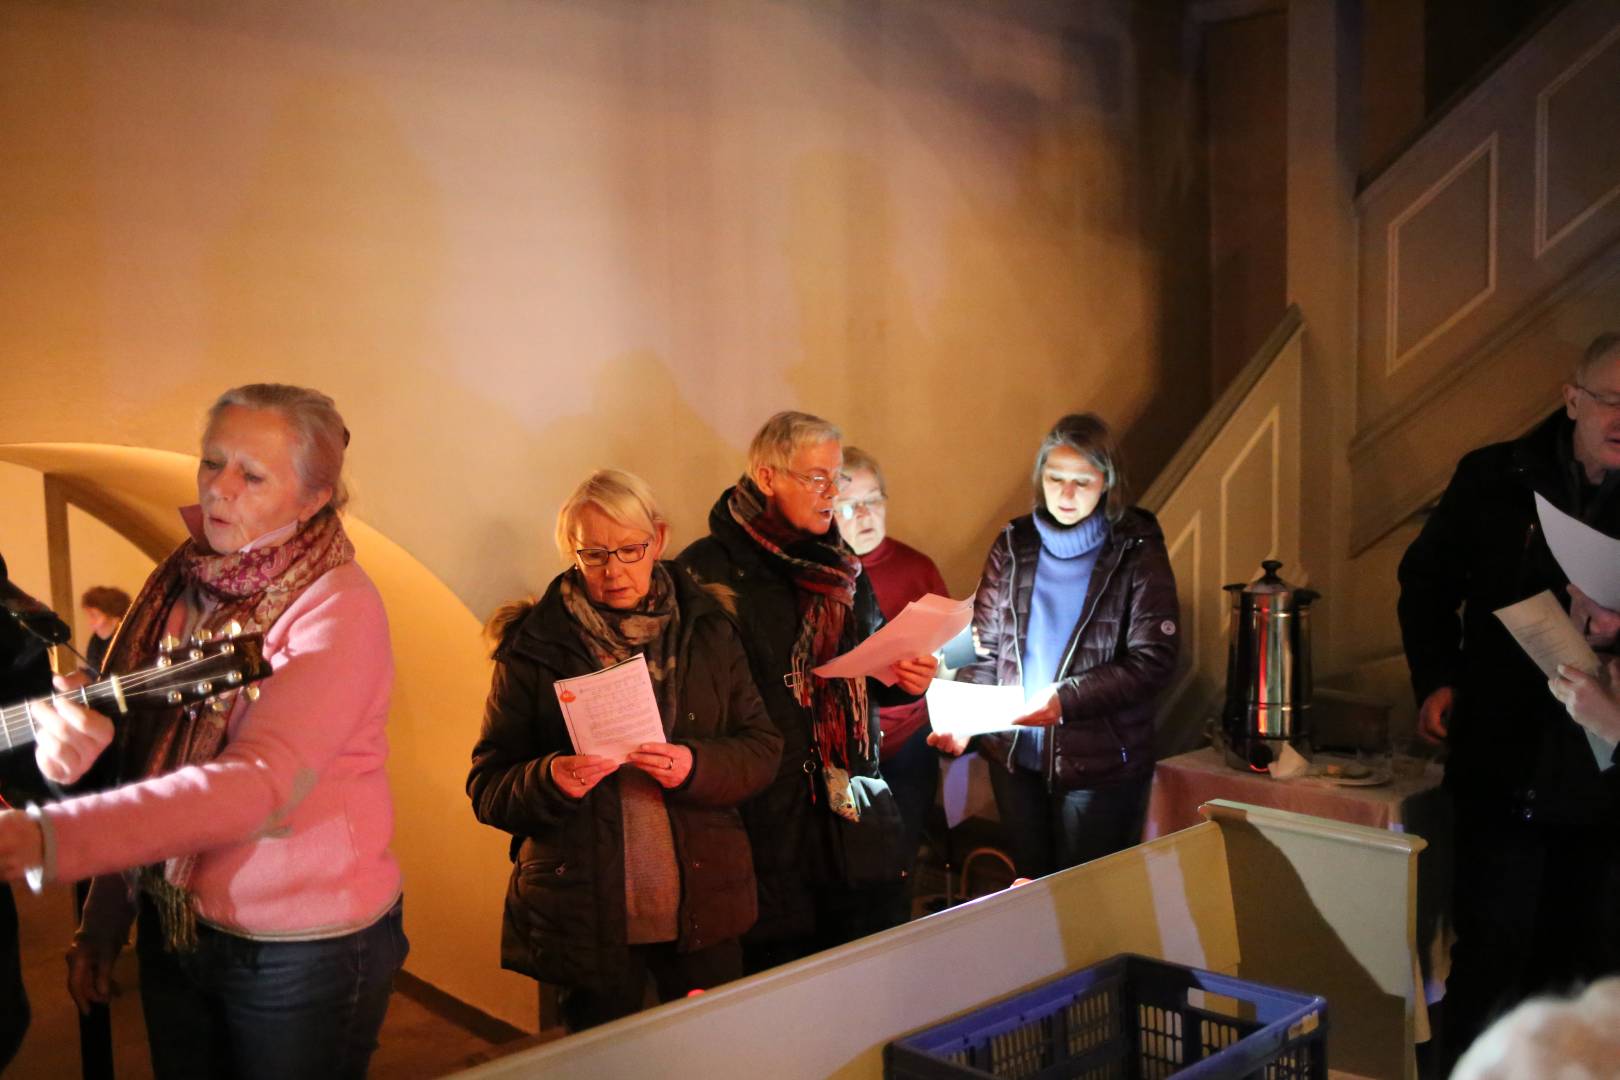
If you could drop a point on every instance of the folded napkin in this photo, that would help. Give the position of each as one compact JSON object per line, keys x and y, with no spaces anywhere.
{"x":1289,"y":764}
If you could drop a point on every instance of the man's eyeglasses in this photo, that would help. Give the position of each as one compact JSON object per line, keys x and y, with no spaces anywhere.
{"x":629,"y":553}
{"x":852,"y":509}
{"x":819,"y":483}
{"x":1608,"y":401}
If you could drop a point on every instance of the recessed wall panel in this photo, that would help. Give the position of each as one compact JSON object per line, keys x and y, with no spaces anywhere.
{"x":1184,"y":553}
{"x":1442,"y":254}
{"x":1579,"y":143}
{"x":1249,"y":509}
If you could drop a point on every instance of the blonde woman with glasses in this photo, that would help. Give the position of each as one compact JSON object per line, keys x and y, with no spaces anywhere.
{"x":623,"y":871}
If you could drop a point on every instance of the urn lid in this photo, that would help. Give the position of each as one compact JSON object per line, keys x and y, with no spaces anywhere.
{"x":1270,"y":585}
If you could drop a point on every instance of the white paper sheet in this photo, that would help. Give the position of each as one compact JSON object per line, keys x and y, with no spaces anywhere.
{"x":1543,"y":630}
{"x":612,"y":711}
{"x":923,"y":626}
{"x":1590,"y":559}
{"x":964,"y":789}
{"x":969,"y":709}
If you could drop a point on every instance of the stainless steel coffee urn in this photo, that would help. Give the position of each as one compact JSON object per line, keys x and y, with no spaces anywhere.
{"x":1268,"y":669}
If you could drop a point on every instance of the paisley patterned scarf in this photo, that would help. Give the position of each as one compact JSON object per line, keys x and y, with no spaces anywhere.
{"x":251,"y":589}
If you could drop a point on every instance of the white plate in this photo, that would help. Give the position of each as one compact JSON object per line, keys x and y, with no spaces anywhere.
{"x":1377,"y":777}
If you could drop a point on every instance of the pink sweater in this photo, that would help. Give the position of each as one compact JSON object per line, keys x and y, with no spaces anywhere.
{"x":292,"y":820}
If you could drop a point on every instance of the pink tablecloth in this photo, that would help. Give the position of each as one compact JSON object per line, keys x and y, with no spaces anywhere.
{"x":1182,"y":783}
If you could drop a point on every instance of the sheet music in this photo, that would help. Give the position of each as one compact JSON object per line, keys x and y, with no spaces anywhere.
{"x":969,"y":709}
{"x":612,"y":711}
{"x":922,"y":627}
{"x":1543,"y":630}
{"x":1588,"y":558}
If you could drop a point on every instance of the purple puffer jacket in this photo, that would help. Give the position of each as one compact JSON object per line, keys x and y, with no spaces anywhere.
{"x":1121,"y":655}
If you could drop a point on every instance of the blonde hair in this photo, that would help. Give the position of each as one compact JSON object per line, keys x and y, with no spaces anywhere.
{"x":785,"y":433}
{"x":1576,"y":1037}
{"x":856,"y":458}
{"x":622,"y":496}
{"x":318,"y":428}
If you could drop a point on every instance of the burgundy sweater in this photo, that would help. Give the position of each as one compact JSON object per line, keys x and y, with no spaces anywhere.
{"x":900,"y":574}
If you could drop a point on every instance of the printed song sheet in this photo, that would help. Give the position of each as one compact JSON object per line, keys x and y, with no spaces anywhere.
{"x":969,"y":709}
{"x":922,"y":627}
{"x":1543,"y":630}
{"x":612,"y":711}
{"x":1589,"y":558}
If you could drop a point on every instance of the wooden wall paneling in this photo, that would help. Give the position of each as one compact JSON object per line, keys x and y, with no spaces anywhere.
{"x":1578,"y":143}
{"x":1442,"y":255}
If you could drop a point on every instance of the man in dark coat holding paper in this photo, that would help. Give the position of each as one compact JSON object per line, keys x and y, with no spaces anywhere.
{"x":1538,"y":822}
{"x":826,"y":833}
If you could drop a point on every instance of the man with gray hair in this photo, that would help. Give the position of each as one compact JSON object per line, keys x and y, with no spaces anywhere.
{"x":1538,"y":821}
{"x":826,"y":834}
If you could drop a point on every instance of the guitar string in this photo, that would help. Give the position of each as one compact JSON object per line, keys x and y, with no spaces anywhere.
{"x":16,"y":717}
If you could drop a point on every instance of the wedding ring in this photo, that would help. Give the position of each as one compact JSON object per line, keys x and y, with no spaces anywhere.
{"x":576,"y":776}
{"x":669,"y":763}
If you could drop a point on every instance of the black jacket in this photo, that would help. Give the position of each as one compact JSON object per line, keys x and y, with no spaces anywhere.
{"x":25,"y":673}
{"x":565,"y":907}
{"x":792,"y":837}
{"x":1120,"y":656}
{"x":1514,"y":750}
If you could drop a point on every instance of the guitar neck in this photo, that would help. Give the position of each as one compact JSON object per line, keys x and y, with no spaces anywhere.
{"x":204,"y":671}
{"x":17,"y":721}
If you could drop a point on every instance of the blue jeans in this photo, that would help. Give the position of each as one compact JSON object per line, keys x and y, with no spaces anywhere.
{"x":1050,"y":831}
{"x":248,"y":1009}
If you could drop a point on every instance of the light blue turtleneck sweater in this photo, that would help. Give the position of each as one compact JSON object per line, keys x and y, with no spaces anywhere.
{"x":1062,"y":575}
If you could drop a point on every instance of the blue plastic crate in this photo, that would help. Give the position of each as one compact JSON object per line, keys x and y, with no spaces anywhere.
{"x":1128,"y":1018}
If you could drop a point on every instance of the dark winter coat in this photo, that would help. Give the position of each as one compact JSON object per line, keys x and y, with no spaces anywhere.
{"x":793,"y":843}
{"x":565,"y":910}
{"x":1514,"y":751}
{"x":1120,"y":655}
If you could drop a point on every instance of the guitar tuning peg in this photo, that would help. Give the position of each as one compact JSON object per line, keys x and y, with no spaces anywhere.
{"x":252,"y":693}
{"x":200,"y":635}
{"x":169,"y":643}
{"x":233,"y":629}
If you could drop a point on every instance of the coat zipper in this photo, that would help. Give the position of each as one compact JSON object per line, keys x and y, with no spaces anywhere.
{"x":1012,"y":609}
{"x":1068,"y":658}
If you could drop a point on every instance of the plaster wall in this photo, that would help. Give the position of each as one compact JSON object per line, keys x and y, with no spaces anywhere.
{"x":516,"y":241}
{"x":519,"y":240}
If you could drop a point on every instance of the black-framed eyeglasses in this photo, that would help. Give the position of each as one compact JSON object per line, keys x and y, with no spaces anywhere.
{"x":869,"y":505}
{"x":628,"y":553}
{"x":1608,"y":401}
{"x":820,"y":483}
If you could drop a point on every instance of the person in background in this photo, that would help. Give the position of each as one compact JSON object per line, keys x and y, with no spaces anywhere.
{"x":250,"y":838}
{"x":103,"y":608}
{"x":621,"y":873}
{"x":826,"y":832}
{"x":1077,"y":604}
{"x":1574,"y":1038}
{"x":1537,"y":848}
{"x":899,"y":574}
